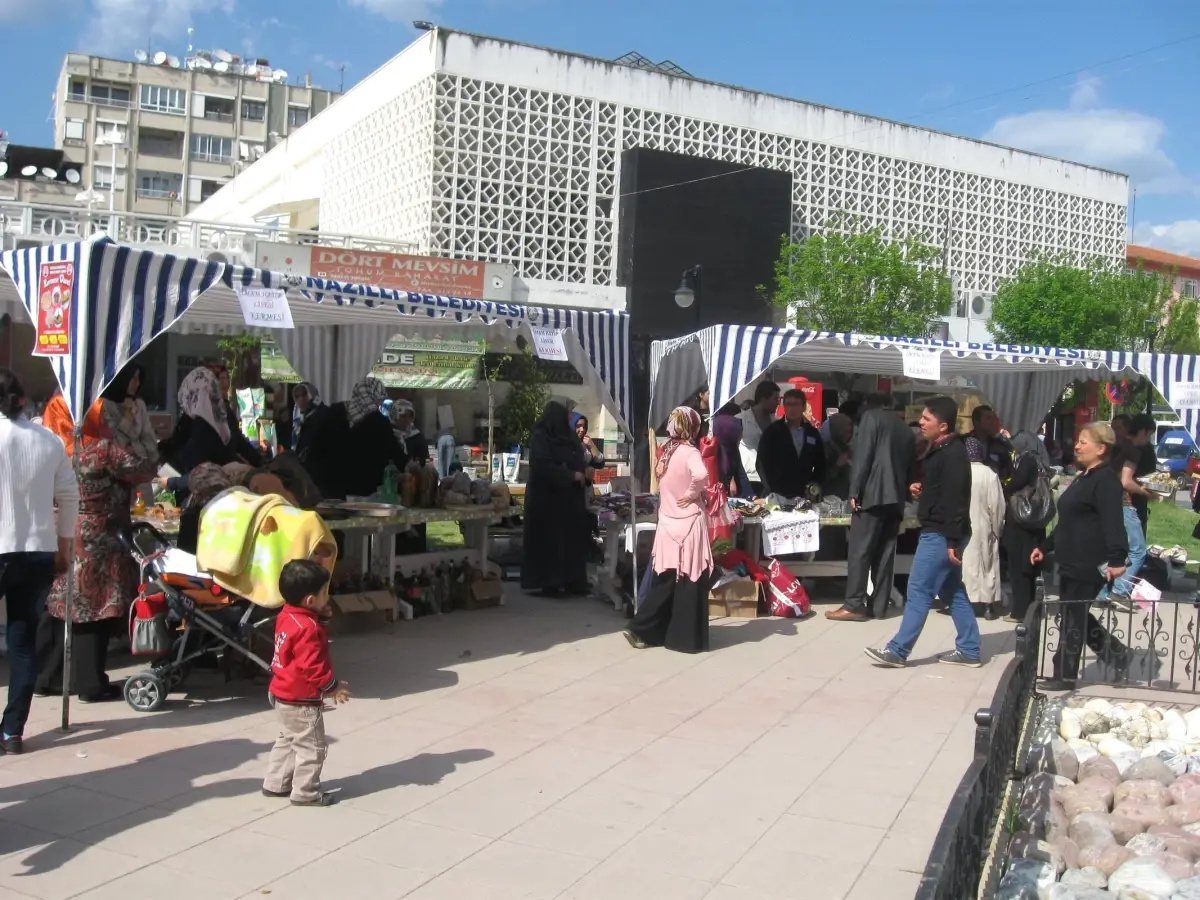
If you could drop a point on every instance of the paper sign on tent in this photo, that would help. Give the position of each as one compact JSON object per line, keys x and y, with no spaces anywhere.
{"x":922,"y":364}
{"x":1185,"y":395}
{"x":548,"y":343}
{"x":264,"y":307}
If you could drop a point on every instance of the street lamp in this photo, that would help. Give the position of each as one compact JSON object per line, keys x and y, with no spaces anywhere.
{"x":689,"y":292}
{"x":114,"y":139}
{"x":1152,"y":328}
{"x":89,"y":198}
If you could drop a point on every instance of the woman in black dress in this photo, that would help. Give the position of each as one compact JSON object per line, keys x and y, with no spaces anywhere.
{"x":556,"y":529}
{"x":1090,"y":549}
{"x":352,"y":446}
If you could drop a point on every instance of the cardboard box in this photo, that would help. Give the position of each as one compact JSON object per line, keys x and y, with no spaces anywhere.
{"x":485,"y":594}
{"x":735,"y":600}
{"x":359,"y":612}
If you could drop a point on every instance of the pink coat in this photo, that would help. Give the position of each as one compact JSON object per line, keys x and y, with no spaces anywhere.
{"x":681,"y":541}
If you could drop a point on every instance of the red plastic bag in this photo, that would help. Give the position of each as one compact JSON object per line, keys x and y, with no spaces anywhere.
{"x":786,"y":596}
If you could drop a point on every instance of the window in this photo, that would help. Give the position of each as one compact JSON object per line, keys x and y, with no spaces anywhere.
{"x":210,"y":148}
{"x":297,"y":116}
{"x":254,"y":110}
{"x":74,"y":130}
{"x":155,"y":98}
{"x":110,"y":95}
{"x":110,"y":131}
{"x":158,"y":185}
{"x":200,"y":189}
{"x":102,"y":177}
{"x":76,"y":90}
{"x":160,"y":143}
{"x":218,"y":109}
{"x":1187,"y":288}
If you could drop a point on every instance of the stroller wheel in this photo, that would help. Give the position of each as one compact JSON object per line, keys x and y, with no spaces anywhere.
{"x":145,"y":692}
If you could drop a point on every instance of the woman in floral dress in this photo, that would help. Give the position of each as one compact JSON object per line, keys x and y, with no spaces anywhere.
{"x":106,"y":577}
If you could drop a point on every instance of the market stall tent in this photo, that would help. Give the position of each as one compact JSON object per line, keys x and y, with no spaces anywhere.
{"x":1022,"y":382}
{"x":123,"y":297}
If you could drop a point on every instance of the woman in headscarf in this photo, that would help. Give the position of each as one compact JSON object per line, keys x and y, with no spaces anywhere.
{"x":981,"y":559}
{"x":555,"y":530}
{"x":353,"y":448}
{"x":126,"y":414}
{"x":727,"y":435}
{"x":593,"y":458}
{"x":57,"y":418}
{"x":105,"y":576}
{"x":403,"y":417}
{"x":674,"y":613}
{"x":307,"y":410}
{"x":1020,"y":541}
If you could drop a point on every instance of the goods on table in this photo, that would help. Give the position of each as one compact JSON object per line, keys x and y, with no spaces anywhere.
{"x":1159,"y":482}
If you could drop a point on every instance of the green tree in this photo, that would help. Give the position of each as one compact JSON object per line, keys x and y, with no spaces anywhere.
{"x":528,"y":394}
{"x":851,"y":277}
{"x":1096,"y":306}
{"x":1182,"y":331}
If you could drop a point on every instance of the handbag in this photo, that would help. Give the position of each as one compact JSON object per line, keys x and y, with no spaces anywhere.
{"x":1033,"y":506}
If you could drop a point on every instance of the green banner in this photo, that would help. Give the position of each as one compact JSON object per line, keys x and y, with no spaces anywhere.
{"x":274,"y":364}
{"x":441,"y":365}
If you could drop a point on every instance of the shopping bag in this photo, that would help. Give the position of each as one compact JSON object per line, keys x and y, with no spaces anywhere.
{"x":149,"y":633}
{"x":786,"y":596}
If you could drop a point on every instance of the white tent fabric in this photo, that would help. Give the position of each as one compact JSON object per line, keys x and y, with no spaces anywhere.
{"x":124,"y":297}
{"x":1022,"y":382}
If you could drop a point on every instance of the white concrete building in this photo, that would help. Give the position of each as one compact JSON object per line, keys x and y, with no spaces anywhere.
{"x":481,"y":148}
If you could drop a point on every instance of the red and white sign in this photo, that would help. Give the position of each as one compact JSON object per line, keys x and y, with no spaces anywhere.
{"x":56,"y":291}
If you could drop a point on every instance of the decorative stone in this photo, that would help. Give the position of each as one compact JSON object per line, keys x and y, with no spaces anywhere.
{"x":1093,"y":830}
{"x":1142,"y":814}
{"x":1188,"y":889}
{"x":1191,"y":718}
{"x":1102,"y":768}
{"x":1184,"y":814}
{"x":1142,"y":791}
{"x":1066,"y":763}
{"x":1141,"y":879}
{"x":1175,"y":725}
{"x":1147,"y":844}
{"x":1106,"y":859}
{"x":1185,"y":789}
{"x":1069,"y":727}
{"x":1112,"y":746}
{"x":1151,"y":768}
{"x":1062,"y":891}
{"x":1086,"y":877}
{"x":1025,"y":879}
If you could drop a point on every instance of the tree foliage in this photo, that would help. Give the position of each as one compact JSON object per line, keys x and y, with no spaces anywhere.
{"x":528,"y":394}
{"x":1098,"y":306}
{"x":852,"y":278}
{"x":1182,"y":331}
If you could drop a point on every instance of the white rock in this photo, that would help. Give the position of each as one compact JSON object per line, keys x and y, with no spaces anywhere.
{"x":1111,"y":747}
{"x":1154,"y":714}
{"x":1176,"y":726}
{"x":1098,"y":704}
{"x":1192,"y":719}
{"x":1141,"y":879}
{"x":1124,"y":761}
{"x":1069,"y":729}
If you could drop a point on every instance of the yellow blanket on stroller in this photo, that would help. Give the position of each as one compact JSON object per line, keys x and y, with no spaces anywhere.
{"x":246,"y":540}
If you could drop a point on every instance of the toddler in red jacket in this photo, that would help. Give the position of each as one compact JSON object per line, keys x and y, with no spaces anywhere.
{"x":301,"y":678}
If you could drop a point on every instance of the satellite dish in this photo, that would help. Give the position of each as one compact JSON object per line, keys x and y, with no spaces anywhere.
{"x":265,"y":73}
{"x":140,"y":55}
{"x":249,"y":69}
{"x":72,"y":176}
{"x":3,"y":168}
{"x":50,"y":173}
{"x":221,"y":66}
{"x":173,"y":62}
{"x":159,"y":58}
{"x":223,"y":55}
{"x":201,"y":63}
{"x":29,"y":171}
{"x":218,"y":257}
{"x":281,"y":76}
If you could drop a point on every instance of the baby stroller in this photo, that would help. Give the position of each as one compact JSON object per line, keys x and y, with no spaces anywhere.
{"x":181,"y":616}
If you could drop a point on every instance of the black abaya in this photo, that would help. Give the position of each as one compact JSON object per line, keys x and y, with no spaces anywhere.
{"x":556,"y":532}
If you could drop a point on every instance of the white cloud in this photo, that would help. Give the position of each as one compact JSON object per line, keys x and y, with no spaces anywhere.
{"x":1119,"y":139}
{"x":1182,"y":236}
{"x":396,"y":10}
{"x":122,"y":26}
{"x":27,"y":12}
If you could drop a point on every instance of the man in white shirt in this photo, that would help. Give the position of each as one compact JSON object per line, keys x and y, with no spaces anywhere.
{"x":35,"y":476}
{"x":755,"y":420}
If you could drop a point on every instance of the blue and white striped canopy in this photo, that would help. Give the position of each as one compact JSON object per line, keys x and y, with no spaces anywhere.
{"x":124,"y":297}
{"x":1022,"y":382}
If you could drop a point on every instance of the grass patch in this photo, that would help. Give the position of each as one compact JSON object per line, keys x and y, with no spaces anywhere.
{"x":1170,"y":525}
{"x":443,"y":536}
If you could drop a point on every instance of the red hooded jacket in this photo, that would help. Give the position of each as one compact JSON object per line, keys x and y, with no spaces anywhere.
{"x":301,"y":669}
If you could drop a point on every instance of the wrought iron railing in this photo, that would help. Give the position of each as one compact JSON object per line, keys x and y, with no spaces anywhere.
{"x":1152,"y":645}
{"x":967,"y":856}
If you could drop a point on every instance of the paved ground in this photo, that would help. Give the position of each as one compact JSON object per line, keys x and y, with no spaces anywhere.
{"x":521,"y":752}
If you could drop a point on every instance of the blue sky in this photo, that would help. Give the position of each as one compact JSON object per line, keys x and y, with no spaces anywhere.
{"x":1062,"y":77}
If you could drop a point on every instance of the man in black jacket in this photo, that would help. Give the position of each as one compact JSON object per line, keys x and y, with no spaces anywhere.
{"x":945,"y":513}
{"x":882,"y":454}
{"x":790,"y":453}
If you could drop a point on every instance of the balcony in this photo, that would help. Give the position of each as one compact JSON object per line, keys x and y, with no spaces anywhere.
{"x":158,"y":193}
{"x":220,"y":159}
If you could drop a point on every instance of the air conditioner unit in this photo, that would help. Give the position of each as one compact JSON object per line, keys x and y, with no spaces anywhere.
{"x":979,"y":305}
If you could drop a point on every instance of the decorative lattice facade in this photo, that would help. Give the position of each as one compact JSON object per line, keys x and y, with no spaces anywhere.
{"x":510,"y":174}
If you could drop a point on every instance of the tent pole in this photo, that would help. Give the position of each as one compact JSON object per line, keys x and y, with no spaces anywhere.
{"x":68,"y":598}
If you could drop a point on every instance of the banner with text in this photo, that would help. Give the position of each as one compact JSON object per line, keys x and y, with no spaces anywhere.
{"x":432,"y":364}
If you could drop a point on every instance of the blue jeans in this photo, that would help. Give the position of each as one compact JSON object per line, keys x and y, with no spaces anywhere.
{"x":25,"y":581}
{"x":933,"y":575}
{"x":1137,"y":554}
{"x":445,"y":455}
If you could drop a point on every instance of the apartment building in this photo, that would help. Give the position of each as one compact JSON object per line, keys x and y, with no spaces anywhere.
{"x":165,"y":134}
{"x":1184,"y":270}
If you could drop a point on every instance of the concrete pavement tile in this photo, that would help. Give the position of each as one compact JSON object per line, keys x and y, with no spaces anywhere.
{"x":612,"y":879}
{"x":793,"y":874}
{"x":152,"y":834}
{"x":62,"y":868}
{"x":244,"y":859}
{"x":568,"y":832}
{"x":337,"y":826}
{"x":452,"y":886}
{"x":486,"y":810}
{"x":876,"y":883}
{"x":703,"y":857}
{"x":68,"y":810}
{"x":541,"y":874}
{"x":617,"y":741}
{"x":161,"y":881}
{"x":874,"y":810}
{"x":612,"y":801}
{"x":344,"y":877}
{"x":825,"y":838}
{"x":414,"y":845}
{"x":905,"y":852}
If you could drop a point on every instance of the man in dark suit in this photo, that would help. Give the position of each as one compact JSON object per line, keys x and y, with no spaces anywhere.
{"x":790,"y":453}
{"x":882,"y":457}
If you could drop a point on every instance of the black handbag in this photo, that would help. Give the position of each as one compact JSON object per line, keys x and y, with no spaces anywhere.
{"x":1033,"y":506}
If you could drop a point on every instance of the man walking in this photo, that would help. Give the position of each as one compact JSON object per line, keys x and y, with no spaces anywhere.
{"x":756,"y":419}
{"x":35,"y":474}
{"x":882,"y":454}
{"x":944,"y":510}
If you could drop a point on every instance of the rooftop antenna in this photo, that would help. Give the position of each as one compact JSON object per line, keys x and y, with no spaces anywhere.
{"x":191,"y":31}
{"x":342,"y":78}
{"x":140,"y":55}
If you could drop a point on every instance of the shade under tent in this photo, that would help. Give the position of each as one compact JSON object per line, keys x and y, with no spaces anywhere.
{"x":1021,"y":382}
